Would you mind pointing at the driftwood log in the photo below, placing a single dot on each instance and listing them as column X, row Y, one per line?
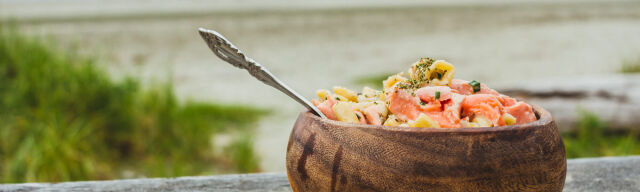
column 613, row 98
column 326, row 155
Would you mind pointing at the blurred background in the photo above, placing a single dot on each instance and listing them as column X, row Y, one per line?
column 111, row 89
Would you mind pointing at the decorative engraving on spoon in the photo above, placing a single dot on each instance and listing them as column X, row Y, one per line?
column 228, row 52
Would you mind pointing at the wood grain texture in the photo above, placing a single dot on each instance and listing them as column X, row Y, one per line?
column 325, row 155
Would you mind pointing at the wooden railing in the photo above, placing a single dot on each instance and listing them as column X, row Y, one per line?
column 586, row 174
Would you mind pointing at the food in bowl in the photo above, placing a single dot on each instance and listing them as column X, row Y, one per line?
column 428, row 97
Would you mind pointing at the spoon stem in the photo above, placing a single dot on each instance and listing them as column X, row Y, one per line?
column 228, row 52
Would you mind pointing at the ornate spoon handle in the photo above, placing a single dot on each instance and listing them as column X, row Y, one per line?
column 224, row 49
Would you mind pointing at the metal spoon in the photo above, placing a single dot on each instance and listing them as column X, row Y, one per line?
column 224, row 49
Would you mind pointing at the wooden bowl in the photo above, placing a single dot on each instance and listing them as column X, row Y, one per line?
column 327, row 155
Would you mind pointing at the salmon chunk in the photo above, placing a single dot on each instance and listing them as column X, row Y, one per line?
column 373, row 115
column 403, row 104
column 463, row 87
column 522, row 112
column 506, row 100
column 326, row 107
column 441, row 105
column 451, row 111
column 486, row 105
column 436, row 102
column 428, row 94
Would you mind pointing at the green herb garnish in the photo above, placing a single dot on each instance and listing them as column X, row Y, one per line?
column 422, row 68
column 422, row 103
column 338, row 98
column 437, row 94
column 358, row 116
column 419, row 73
column 476, row 86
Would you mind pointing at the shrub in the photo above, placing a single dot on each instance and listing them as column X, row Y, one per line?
column 62, row 118
column 593, row 138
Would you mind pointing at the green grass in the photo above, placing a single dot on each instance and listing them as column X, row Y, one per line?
column 631, row 66
column 373, row 81
column 63, row 119
column 593, row 138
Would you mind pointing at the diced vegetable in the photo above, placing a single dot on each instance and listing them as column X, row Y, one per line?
column 475, row 85
column 509, row 119
column 392, row 121
column 424, row 121
column 482, row 121
column 344, row 112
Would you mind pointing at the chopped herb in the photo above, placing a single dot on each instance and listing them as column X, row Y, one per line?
column 404, row 85
column 414, row 83
column 413, row 94
column 427, row 60
column 476, row 86
column 338, row 98
column 422, row 68
column 358, row 116
column 325, row 98
column 375, row 102
column 437, row 94
column 419, row 73
column 422, row 103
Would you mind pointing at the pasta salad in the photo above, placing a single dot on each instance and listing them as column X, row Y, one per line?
column 428, row 96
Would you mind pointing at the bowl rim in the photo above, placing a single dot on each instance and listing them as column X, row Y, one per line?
column 544, row 118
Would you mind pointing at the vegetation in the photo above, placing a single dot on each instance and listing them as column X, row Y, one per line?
column 631, row 66
column 593, row 138
column 62, row 119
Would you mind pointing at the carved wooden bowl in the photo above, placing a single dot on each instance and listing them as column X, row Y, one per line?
column 327, row 155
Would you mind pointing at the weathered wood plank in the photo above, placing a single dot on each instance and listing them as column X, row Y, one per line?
column 265, row 182
column 603, row 174
column 588, row 174
column 613, row 98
